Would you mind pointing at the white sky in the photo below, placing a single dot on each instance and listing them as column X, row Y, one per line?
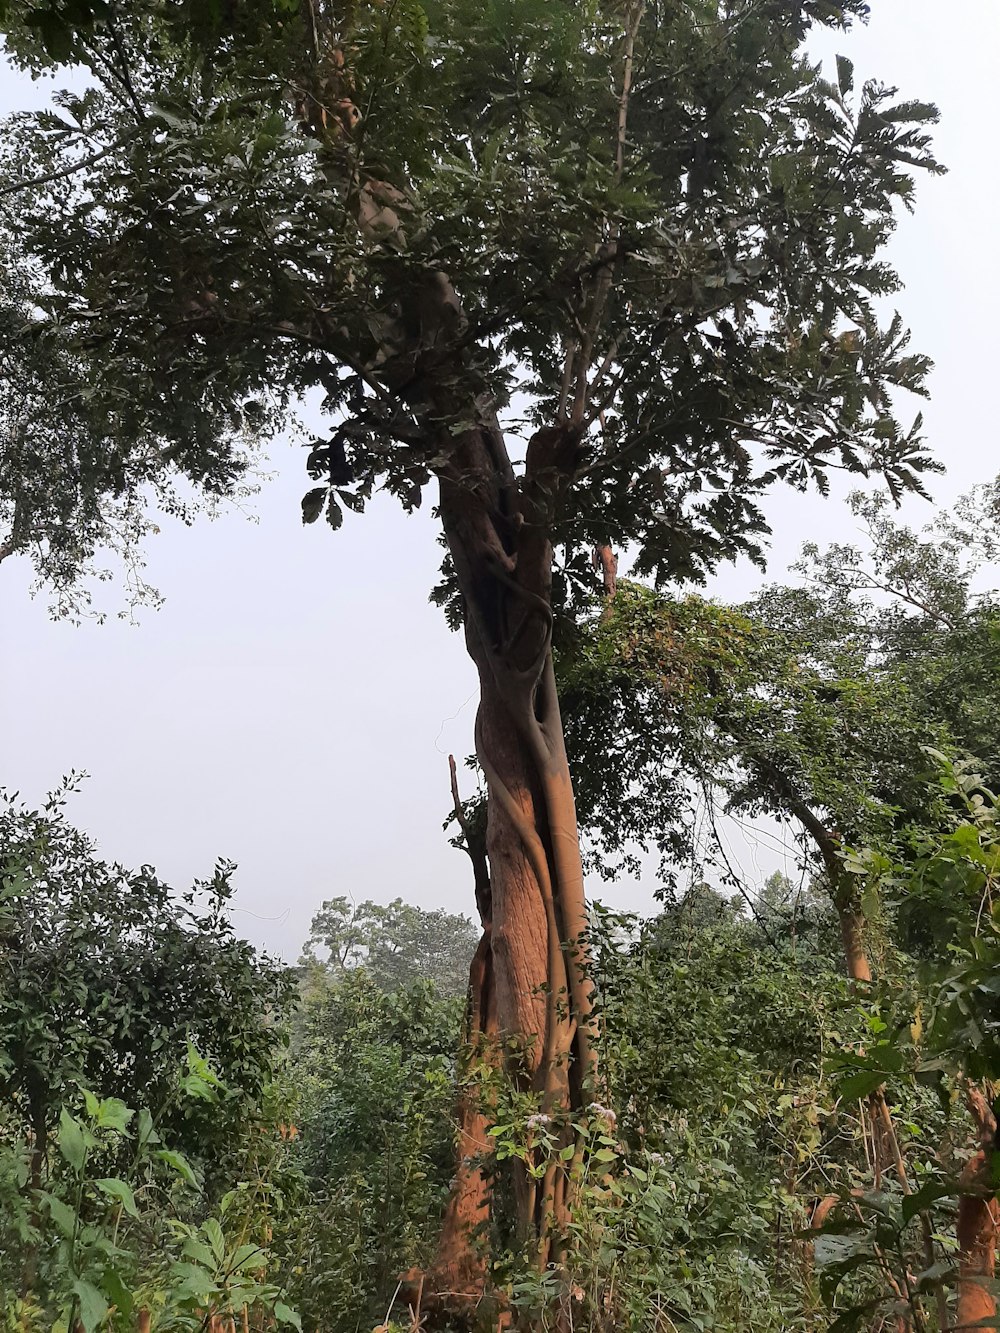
column 293, row 704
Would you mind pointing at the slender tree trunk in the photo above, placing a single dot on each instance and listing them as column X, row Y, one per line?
column 460, row 1270
column 604, row 558
column 852, row 935
column 39, row 1152
column 978, row 1222
column 886, row 1150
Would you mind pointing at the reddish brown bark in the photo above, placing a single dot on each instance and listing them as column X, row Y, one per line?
column 462, row 1262
column 852, row 935
column 497, row 535
column 978, row 1221
column 457, row 1279
column 606, row 560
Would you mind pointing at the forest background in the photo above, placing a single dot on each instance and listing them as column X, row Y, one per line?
column 160, row 715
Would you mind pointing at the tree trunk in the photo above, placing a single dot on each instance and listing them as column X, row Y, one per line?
column 498, row 540
column 457, row 1280
column 604, row 558
column 886, row 1151
column 978, row 1221
column 460, row 1270
column 851, row 933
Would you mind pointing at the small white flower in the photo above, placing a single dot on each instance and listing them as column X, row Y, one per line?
column 604, row 1112
column 538, row 1121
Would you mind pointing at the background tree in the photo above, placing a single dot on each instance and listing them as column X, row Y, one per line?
column 373, row 1077
column 814, row 703
column 139, row 1042
column 398, row 945
column 820, row 705
column 659, row 227
column 109, row 978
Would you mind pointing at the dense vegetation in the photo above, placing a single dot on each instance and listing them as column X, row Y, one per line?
column 657, row 232
column 790, row 1145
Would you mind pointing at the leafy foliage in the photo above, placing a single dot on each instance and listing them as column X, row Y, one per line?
column 252, row 202
column 374, row 1093
column 111, row 981
column 815, row 703
column 138, row 1041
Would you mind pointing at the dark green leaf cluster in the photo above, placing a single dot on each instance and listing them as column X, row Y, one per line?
column 257, row 202
column 373, row 1074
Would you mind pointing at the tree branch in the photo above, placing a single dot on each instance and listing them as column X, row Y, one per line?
column 82, row 165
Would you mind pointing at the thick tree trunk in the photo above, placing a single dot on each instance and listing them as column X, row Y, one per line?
column 503, row 559
column 502, row 556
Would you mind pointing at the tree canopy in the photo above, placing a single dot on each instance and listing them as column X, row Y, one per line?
column 250, row 203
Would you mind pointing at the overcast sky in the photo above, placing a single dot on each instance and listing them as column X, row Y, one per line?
column 293, row 703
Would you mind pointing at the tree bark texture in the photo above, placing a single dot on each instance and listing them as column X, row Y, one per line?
column 457, row 1281
column 458, row 1277
column 978, row 1222
column 497, row 537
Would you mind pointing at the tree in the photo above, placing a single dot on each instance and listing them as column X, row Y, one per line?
column 111, row 980
column 657, row 228
column 70, row 498
column 821, row 705
column 398, row 945
column 372, row 1072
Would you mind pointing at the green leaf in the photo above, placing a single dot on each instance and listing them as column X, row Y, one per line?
column 93, row 1306
column 923, row 1198
column 845, row 75
column 312, row 503
column 285, row 1315
column 859, row 1085
column 145, row 1132
column 199, row 1252
column 213, row 1234
column 179, row 1163
column 72, row 1143
column 114, row 1114
column 246, row 1256
column 117, row 1292
column 118, row 1189
column 62, row 1215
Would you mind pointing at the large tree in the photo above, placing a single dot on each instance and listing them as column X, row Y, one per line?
column 600, row 272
